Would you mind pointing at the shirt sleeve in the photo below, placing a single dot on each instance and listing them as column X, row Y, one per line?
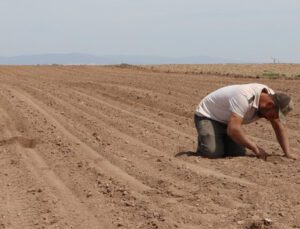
column 239, row 105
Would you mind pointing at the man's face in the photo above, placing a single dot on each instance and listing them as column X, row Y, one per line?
column 268, row 112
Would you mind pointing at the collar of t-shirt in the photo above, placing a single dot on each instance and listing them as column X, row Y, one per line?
column 257, row 96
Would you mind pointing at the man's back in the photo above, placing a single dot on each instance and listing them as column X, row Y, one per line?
column 241, row 99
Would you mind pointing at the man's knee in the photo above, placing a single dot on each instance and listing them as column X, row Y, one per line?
column 210, row 148
column 210, row 138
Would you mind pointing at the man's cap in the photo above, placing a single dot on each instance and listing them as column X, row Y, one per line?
column 284, row 103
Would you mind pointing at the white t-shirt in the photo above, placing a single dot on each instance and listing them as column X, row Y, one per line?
column 240, row 99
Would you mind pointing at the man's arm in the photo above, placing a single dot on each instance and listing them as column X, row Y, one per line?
column 235, row 131
column 282, row 137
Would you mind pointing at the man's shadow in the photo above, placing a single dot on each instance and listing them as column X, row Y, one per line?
column 197, row 154
column 187, row 153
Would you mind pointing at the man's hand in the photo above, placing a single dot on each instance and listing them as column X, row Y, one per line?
column 292, row 156
column 261, row 153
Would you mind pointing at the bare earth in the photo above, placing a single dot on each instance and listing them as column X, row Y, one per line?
column 111, row 147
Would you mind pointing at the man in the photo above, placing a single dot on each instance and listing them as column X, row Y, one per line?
column 220, row 115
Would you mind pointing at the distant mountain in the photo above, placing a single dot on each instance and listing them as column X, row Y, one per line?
column 79, row 58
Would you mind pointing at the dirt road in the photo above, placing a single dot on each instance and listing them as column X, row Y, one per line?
column 111, row 147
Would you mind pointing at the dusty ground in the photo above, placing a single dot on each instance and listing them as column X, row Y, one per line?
column 95, row 147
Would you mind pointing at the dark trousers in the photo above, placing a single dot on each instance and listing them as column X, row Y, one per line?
column 213, row 141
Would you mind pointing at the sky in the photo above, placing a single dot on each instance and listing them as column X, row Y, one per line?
column 241, row 30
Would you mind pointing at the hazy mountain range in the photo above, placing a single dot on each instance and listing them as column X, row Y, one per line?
column 80, row 58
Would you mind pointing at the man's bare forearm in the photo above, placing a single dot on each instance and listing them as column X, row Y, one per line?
column 235, row 131
column 282, row 136
column 237, row 134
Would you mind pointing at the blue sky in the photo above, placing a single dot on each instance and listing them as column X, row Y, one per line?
column 233, row 29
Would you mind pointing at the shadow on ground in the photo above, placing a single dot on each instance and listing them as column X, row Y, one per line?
column 187, row 153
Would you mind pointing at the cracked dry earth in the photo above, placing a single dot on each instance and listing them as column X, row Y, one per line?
column 111, row 147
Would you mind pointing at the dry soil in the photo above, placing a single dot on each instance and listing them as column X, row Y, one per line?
column 113, row 147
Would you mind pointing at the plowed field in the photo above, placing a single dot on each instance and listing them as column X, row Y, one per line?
column 111, row 147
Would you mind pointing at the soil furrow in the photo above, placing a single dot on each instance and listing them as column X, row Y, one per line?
column 103, row 140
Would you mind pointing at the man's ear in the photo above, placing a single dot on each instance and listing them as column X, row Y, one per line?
column 270, row 104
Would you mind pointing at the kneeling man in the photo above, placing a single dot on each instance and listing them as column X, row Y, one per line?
column 220, row 114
